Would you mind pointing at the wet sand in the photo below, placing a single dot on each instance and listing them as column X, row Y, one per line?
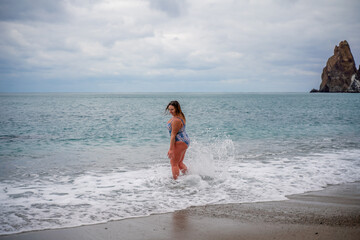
column 332, row 213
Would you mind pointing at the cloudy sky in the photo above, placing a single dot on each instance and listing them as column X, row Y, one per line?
column 171, row 45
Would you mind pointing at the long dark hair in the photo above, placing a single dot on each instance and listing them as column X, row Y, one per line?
column 177, row 107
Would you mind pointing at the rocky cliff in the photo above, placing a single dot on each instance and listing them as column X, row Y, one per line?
column 340, row 73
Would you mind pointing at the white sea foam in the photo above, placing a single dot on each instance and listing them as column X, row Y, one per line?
column 216, row 175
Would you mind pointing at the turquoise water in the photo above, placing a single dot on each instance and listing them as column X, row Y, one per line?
column 73, row 159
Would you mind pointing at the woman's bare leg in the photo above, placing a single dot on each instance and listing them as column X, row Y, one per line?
column 174, row 168
column 179, row 153
column 182, row 166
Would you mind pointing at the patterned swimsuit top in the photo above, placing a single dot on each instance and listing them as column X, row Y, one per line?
column 181, row 135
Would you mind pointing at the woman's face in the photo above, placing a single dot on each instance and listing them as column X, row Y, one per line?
column 172, row 110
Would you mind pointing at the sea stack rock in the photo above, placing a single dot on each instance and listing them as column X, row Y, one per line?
column 340, row 73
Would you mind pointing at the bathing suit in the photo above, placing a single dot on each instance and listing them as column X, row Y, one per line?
column 181, row 135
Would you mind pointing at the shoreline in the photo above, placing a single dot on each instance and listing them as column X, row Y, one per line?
column 331, row 213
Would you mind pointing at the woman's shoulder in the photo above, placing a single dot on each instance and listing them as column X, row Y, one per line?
column 180, row 119
column 176, row 120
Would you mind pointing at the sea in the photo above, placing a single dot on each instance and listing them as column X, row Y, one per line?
column 71, row 159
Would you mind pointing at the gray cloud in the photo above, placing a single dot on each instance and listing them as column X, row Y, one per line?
column 31, row 10
column 137, row 45
column 173, row 8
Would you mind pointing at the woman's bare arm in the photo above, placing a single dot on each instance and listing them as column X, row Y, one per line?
column 175, row 125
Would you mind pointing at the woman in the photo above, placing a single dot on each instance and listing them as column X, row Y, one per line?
column 179, row 140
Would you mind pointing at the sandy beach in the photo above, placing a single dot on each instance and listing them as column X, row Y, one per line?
column 332, row 213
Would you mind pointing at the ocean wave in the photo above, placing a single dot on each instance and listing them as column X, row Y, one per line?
column 217, row 174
